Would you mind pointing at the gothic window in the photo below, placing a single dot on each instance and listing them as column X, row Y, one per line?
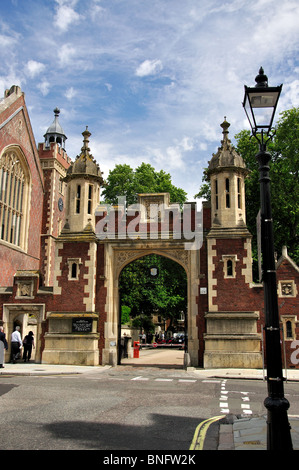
column 239, row 194
column 14, row 187
column 289, row 332
column 78, row 199
column 89, row 202
column 216, row 194
column 289, row 327
column 227, row 195
column 74, row 268
column 229, row 266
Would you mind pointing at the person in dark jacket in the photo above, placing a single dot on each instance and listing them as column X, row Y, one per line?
column 28, row 344
column 3, row 345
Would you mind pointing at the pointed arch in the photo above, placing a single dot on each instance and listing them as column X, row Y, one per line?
column 15, row 184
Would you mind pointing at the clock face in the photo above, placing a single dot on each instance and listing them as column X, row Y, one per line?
column 60, row 204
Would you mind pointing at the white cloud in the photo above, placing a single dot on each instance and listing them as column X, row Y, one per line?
column 173, row 157
column 290, row 95
column 34, row 68
column 7, row 41
column 66, row 54
column 70, row 93
column 44, row 87
column 209, row 50
column 149, row 67
column 66, row 15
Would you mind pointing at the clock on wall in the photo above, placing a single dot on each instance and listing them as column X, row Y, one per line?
column 60, row 204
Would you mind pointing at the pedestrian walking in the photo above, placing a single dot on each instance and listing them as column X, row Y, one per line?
column 28, row 344
column 3, row 346
column 16, row 344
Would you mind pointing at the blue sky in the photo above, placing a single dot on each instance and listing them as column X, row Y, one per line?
column 152, row 79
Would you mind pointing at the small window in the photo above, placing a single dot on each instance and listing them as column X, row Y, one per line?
column 239, row 194
column 78, row 199
column 74, row 270
column 216, row 194
column 227, row 197
column 89, row 203
column 289, row 327
column 229, row 267
column 289, row 330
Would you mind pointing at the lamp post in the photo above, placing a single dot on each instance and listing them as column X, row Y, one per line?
column 260, row 104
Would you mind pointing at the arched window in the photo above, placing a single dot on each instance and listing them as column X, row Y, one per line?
column 239, row 194
column 78, row 199
column 14, row 186
column 289, row 330
column 89, row 202
column 229, row 267
column 74, row 270
column 227, row 192
column 216, row 194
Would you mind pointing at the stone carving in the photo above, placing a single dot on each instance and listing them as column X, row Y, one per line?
column 25, row 289
column 286, row 288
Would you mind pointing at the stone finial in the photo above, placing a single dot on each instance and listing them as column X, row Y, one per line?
column 85, row 149
column 225, row 125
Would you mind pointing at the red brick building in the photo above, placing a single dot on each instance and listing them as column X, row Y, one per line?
column 60, row 260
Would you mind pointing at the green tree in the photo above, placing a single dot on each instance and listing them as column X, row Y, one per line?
column 164, row 294
column 124, row 181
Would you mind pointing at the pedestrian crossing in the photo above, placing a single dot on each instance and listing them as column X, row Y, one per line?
column 224, row 398
column 229, row 401
column 146, row 379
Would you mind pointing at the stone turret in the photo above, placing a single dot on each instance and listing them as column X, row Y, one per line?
column 84, row 179
column 227, row 172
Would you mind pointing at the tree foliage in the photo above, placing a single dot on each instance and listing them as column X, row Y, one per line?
column 145, row 295
column 124, row 181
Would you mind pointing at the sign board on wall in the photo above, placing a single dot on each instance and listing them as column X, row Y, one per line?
column 82, row 325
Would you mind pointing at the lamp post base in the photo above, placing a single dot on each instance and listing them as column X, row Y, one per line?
column 278, row 426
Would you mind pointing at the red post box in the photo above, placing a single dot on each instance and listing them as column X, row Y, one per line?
column 136, row 349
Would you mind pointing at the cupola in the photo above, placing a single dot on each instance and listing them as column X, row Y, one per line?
column 55, row 132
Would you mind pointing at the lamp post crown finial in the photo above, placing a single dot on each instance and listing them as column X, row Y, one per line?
column 261, row 79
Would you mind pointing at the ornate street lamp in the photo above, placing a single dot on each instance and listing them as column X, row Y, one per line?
column 260, row 105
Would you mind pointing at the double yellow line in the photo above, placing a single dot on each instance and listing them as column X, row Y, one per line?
column 201, row 431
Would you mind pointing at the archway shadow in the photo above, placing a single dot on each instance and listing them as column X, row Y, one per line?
column 165, row 432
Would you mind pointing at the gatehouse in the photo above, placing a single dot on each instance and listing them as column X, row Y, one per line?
column 62, row 251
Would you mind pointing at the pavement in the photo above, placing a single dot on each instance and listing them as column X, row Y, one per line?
column 235, row 432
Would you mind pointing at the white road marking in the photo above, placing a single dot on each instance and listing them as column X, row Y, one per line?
column 187, row 380
column 163, row 380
